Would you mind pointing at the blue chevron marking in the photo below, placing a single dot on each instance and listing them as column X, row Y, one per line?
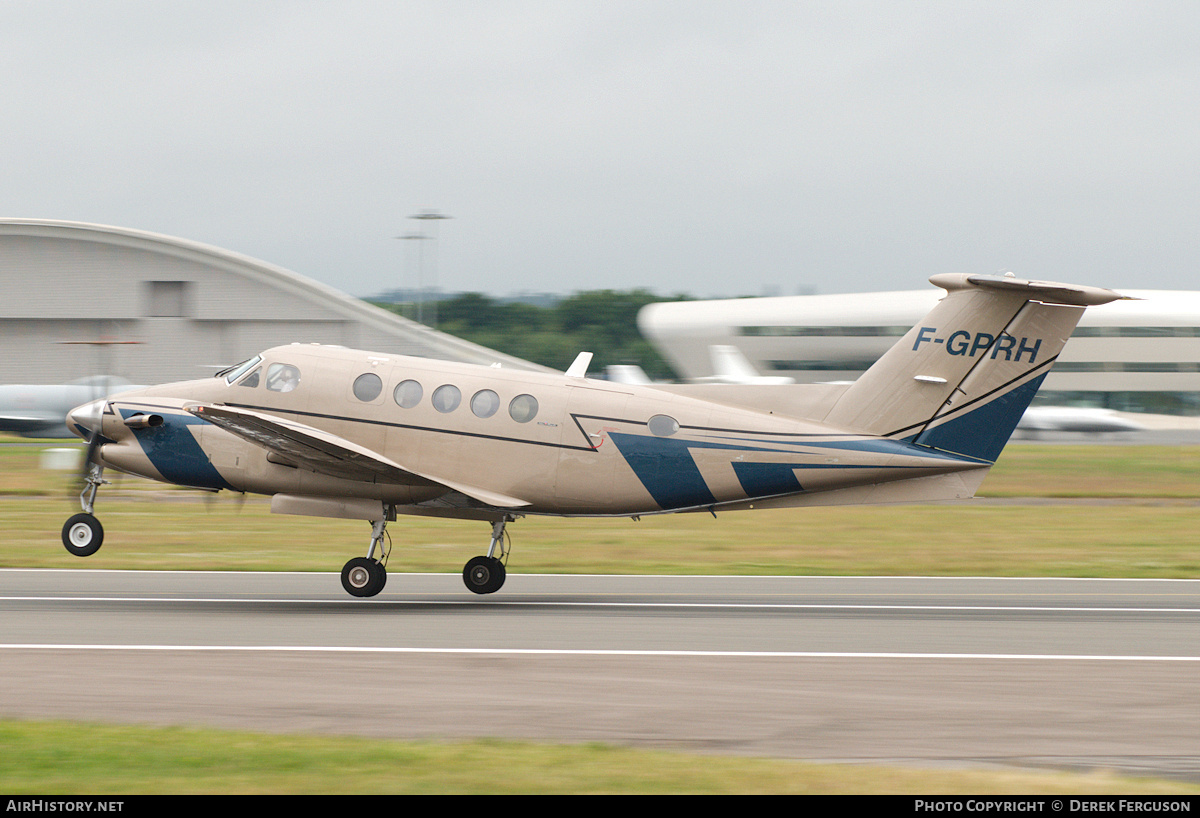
column 766, row 479
column 173, row 450
column 666, row 468
column 982, row 432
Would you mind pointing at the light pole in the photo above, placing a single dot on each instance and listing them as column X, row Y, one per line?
column 420, row 271
column 434, row 217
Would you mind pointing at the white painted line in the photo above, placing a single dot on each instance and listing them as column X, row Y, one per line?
column 765, row 654
column 510, row 602
column 456, row 575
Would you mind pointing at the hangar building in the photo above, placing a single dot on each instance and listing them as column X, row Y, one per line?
column 1141, row 356
column 86, row 299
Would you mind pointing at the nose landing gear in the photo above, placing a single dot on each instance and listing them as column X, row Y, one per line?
column 82, row 534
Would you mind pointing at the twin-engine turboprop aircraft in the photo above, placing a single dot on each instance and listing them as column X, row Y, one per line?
column 335, row 432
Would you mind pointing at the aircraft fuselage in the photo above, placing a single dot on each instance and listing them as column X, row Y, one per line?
column 550, row 441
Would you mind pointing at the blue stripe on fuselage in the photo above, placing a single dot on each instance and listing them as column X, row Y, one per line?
column 767, row 479
column 874, row 445
column 174, row 451
column 666, row 468
column 668, row 471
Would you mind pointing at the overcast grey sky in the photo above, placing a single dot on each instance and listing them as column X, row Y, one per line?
column 714, row 148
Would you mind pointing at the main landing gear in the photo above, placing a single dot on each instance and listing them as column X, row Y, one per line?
column 82, row 534
column 485, row 575
column 366, row 576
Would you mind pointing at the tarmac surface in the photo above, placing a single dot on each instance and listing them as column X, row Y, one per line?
column 1069, row 673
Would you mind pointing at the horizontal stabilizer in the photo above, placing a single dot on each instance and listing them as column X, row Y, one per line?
column 1047, row 292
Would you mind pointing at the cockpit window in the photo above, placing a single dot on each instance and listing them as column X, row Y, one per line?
column 251, row 380
column 232, row 373
column 282, row 377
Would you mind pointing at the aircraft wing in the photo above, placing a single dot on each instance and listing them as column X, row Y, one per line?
column 330, row 454
column 32, row 421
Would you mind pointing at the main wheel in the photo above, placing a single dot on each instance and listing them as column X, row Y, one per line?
column 363, row 577
column 83, row 535
column 484, row 575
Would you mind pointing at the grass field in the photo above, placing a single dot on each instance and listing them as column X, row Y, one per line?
column 1099, row 511
column 65, row 757
column 1144, row 539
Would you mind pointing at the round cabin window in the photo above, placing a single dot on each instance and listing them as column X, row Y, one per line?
column 523, row 408
column 485, row 403
column 367, row 387
column 407, row 394
column 663, row 425
column 446, row 398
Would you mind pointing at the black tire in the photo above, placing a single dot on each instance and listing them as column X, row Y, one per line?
column 82, row 535
column 363, row 577
column 484, row 575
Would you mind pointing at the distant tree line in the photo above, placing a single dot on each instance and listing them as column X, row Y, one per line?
column 603, row 322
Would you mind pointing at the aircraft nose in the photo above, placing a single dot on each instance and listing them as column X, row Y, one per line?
column 88, row 416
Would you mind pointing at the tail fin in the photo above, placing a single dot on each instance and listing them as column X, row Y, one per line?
column 627, row 373
column 731, row 366
column 960, row 380
column 728, row 362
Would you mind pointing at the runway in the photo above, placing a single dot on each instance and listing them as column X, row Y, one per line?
column 931, row 671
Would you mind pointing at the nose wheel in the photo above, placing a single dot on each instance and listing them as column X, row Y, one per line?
column 83, row 535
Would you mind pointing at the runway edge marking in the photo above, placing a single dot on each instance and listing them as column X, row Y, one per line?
column 768, row 654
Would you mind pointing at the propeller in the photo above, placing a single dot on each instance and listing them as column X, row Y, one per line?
column 211, row 494
column 89, row 417
column 93, row 444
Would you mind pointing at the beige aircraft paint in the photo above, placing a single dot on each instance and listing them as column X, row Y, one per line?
column 328, row 431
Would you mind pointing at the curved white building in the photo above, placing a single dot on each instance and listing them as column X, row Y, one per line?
column 86, row 299
column 1139, row 355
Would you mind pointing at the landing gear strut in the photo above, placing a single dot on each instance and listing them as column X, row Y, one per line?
column 366, row 576
column 82, row 534
column 485, row 575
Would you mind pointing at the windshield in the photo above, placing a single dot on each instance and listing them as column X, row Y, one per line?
column 232, row 373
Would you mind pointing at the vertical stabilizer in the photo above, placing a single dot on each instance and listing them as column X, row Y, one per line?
column 731, row 366
column 960, row 380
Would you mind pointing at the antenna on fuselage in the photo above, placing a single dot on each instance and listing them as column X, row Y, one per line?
column 579, row 367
